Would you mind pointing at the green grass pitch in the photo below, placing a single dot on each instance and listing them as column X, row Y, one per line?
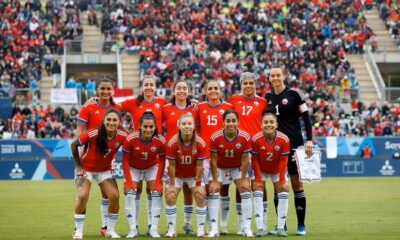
column 337, row 208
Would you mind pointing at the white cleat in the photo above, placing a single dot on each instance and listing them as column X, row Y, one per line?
column 248, row 233
column 200, row 233
column 112, row 234
column 170, row 234
column 213, row 233
column 133, row 233
column 76, row 235
column 154, row 233
column 224, row 230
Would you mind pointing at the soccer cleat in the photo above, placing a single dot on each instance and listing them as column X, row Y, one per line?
column 275, row 232
column 224, row 230
column 112, row 234
column 170, row 234
column 154, row 233
column 133, row 233
column 213, row 233
column 280, row 232
column 200, row 232
column 188, row 229
column 261, row 233
column 301, row 230
column 103, row 231
column 76, row 235
column 248, row 233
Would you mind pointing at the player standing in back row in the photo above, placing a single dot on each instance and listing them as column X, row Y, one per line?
column 289, row 105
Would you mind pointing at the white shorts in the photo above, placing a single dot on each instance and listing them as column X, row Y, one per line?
column 190, row 181
column 146, row 174
column 98, row 176
column 274, row 177
column 228, row 175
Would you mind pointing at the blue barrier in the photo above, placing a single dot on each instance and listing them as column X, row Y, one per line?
column 52, row 159
column 64, row 169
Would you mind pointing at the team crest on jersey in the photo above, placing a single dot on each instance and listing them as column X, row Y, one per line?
column 277, row 148
column 238, row 145
column 153, row 149
column 221, row 111
column 116, row 145
column 285, row 101
column 256, row 103
column 157, row 105
column 172, row 113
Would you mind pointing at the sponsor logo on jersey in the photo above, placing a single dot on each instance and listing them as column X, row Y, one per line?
column 277, row 148
column 221, row 145
column 262, row 148
column 137, row 148
column 97, row 112
column 153, row 149
column 238, row 145
column 17, row 172
column 285, row 101
column 205, row 111
column 387, row 169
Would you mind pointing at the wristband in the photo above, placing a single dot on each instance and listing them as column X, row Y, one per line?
column 198, row 183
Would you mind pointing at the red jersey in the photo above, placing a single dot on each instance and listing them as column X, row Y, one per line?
column 185, row 160
column 91, row 159
column 92, row 114
column 250, row 111
column 171, row 114
column 270, row 157
column 210, row 120
column 229, row 153
column 141, row 155
column 154, row 106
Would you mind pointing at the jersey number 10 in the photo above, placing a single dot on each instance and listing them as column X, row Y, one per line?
column 186, row 160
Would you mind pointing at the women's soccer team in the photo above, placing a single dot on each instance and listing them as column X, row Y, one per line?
column 204, row 148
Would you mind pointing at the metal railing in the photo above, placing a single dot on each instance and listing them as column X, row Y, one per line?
column 376, row 76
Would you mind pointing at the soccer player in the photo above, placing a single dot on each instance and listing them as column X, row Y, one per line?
column 139, row 162
column 90, row 117
column 145, row 102
column 100, row 145
column 230, row 148
column 210, row 120
column 270, row 150
column 179, row 105
column 289, row 105
column 249, row 107
column 185, row 153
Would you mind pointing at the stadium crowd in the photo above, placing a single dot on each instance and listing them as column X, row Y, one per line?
column 209, row 41
column 390, row 13
column 30, row 34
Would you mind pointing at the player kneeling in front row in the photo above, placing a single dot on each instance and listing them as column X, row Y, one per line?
column 269, row 158
column 100, row 145
column 185, row 153
column 139, row 163
column 230, row 148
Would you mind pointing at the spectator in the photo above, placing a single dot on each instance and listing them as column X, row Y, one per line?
column 56, row 73
column 366, row 152
column 396, row 152
column 71, row 83
column 387, row 130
